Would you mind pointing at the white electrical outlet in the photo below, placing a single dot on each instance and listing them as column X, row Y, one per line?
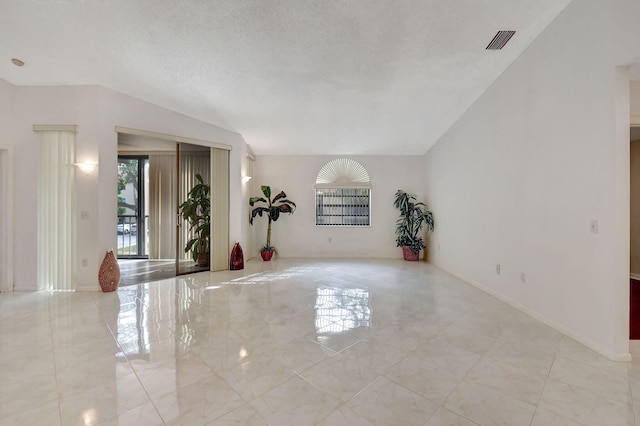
column 329, row 239
column 84, row 215
column 85, row 262
column 593, row 226
column 498, row 269
column 523, row 277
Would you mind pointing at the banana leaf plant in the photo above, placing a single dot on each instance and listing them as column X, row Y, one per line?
column 413, row 216
column 196, row 211
column 272, row 209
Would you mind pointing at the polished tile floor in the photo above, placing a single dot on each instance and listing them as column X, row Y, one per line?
column 140, row 271
column 296, row 342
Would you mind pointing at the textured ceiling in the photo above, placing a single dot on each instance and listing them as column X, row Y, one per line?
column 292, row 76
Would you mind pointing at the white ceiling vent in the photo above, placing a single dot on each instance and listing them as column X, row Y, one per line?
column 501, row 38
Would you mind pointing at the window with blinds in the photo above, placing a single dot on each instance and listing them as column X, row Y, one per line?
column 343, row 207
column 343, row 194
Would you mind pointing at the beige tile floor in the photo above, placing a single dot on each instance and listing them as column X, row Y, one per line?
column 297, row 342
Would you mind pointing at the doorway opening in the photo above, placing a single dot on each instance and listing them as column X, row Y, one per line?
column 155, row 177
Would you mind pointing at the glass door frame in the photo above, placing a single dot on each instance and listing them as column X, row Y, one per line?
column 140, row 216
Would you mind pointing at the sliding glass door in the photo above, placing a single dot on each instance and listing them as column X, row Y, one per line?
column 156, row 176
column 133, row 202
column 193, row 231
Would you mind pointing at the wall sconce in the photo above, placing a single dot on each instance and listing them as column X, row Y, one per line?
column 86, row 166
column 246, row 179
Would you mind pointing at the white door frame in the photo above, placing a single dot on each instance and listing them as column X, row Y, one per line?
column 6, row 219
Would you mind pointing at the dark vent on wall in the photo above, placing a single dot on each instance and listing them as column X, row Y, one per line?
column 500, row 40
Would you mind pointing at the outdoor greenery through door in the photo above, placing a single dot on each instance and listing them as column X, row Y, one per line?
column 133, row 220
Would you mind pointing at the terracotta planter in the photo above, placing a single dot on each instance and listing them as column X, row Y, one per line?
column 410, row 255
column 266, row 255
column 109, row 273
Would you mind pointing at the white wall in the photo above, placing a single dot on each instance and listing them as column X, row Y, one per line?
column 297, row 235
column 6, row 190
column 246, row 237
column 519, row 177
column 635, row 102
column 96, row 111
column 6, row 219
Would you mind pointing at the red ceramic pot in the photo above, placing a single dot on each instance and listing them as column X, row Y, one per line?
column 266, row 255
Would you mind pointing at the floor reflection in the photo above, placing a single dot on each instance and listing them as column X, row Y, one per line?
column 339, row 310
column 271, row 276
column 133, row 333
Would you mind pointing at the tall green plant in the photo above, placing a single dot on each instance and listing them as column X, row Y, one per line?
column 274, row 207
column 413, row 216
column 196, row 211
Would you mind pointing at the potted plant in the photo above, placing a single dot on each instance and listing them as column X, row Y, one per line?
column 196, row 211
column 274, row 207
column 413, row 216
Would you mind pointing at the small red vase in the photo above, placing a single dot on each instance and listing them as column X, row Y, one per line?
column 237, row 258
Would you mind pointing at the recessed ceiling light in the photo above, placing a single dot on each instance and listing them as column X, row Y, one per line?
column 17, row 62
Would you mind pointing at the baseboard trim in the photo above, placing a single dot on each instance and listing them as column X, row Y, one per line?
column 619, row 357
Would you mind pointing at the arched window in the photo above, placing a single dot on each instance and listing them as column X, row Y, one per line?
column 343, row 194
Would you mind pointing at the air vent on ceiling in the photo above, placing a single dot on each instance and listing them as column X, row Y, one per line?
column 501, row 38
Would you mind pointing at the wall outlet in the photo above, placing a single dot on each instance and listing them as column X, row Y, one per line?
column 329, row 239
column 593, row 226
column 84, row 215
column 85, row 262
column 498, row 269
column 523, row 277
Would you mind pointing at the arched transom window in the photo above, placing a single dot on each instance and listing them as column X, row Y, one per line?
column 343, row 194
